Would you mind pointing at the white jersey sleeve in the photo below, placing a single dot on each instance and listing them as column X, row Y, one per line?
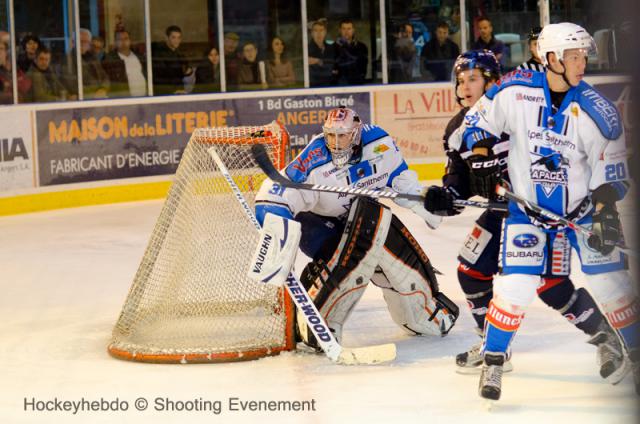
column 487, row 118
column 604, row 142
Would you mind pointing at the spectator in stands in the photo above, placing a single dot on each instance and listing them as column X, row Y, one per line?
column 97, row 48
column 46, row 87
column 403, row 55
column 439, row 54
column 487, row 41
column 352, row 56
column 95, row 81
column 534, row 63
column 169, row 64
column 322, row 56
column 126, row 70
column 454, row 26
column 251, row 74
column 6, row 78
column 29, row 45
column 279, row 67
column 232, row 59
column 208, row 72
column 420, row 33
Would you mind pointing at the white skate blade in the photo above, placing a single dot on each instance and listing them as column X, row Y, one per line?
column 618, row 375
column 507, row 367
column 488, row 404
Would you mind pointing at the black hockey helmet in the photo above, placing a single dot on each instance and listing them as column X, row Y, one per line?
column 534, row 33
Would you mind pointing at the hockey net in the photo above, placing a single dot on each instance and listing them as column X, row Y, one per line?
column 191, row 300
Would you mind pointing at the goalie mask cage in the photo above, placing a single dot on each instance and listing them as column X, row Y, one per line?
column 191, row 300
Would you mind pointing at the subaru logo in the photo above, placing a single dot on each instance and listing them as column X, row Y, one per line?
column 525, row 240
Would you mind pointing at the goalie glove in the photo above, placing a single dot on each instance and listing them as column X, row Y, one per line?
column 439, row 201
column 484, row 175
column 606, row 229
column 407, row 182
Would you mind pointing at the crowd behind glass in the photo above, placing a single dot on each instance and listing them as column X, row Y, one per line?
column 261, row 44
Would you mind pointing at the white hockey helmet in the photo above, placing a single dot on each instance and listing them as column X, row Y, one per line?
column 556, row 38
column 342, row 130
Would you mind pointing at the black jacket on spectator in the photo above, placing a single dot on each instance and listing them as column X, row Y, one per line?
column 94, row 77
column 207, row 80
column 23, row 62
column 168, row 69
column 117, row 72
column 351, row 61
column 438, row 59
column 495, row 45
column 322, row 75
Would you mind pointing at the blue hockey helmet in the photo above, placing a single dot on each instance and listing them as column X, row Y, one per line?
column 484, row 60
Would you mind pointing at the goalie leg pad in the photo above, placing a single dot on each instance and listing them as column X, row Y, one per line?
column 337, row 284
column 410, row 287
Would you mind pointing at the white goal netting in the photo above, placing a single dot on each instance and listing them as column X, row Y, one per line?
column 191, row 300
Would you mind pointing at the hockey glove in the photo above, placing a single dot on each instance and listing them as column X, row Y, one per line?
column 484, row 175
column 439, row 201
column 606, row 229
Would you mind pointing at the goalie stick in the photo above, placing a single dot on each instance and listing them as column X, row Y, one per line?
column 262, row 158
column 315, row 321
column 502, row 191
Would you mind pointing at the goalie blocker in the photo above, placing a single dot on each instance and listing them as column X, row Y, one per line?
column 375, row 246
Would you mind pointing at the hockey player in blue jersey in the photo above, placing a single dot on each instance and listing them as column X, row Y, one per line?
column 567, row 154
column 475, row 72
column 353, row 241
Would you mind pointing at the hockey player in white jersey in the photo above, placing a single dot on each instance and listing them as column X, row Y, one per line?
column 352, row 241
column 567, row 154
column 475, row 72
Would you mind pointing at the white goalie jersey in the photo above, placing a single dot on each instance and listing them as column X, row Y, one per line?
column 381, row 162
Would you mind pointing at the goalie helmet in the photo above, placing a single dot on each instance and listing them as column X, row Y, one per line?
column 484, row 60
column 342, row 130
column 556, row 38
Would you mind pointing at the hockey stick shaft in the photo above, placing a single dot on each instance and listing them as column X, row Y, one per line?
column 327, row 341
column 502, row 191
column 262, row 158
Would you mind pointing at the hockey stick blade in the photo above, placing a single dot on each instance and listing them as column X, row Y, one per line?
column 262, row 158
column 327, row 341
column 502, row 191
column 368, row 355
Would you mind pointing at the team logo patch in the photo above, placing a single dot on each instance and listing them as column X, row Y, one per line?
column 472, row 120
column 380, row 149
column 525, row 241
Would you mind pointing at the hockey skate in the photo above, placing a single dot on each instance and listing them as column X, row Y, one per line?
column 470, row 362
column 610, row 355
column 491, row 378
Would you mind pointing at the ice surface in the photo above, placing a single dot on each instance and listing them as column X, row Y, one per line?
column 65, row 274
